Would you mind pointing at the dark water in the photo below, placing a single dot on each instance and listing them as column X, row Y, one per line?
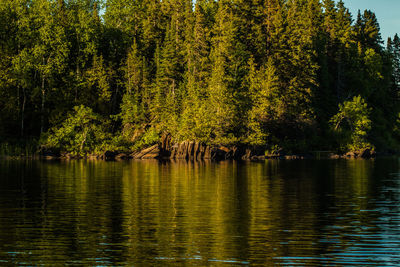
column 218, row 214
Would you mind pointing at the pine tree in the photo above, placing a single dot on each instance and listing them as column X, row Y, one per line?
column 267, row 105
column 168, row 82
column 332, row 53
column 229, row 60
column 134, row 106
column 263, row 72
column 195, row 116
column 299, row 75
column 153, row 27
column 126, row 16
column 367, row 30
column 98, row 91
column 395, row 50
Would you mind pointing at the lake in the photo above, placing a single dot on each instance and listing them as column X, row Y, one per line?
column 306, row 212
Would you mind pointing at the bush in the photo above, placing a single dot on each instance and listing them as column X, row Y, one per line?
column 150, row 137
column 352, row 123
column 83, row 132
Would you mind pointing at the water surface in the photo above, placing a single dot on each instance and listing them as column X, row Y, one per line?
column 328, row 212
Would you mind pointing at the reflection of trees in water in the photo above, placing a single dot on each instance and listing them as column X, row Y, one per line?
column 282, row 211
column 306, row 209
column 183, row 210
column 74, row 208
column 193, row 212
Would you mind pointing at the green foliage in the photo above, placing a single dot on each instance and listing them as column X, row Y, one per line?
column 273, row 150
column 267, row 106
column 82, row 133
column 256, row 72
column 354, row 122
column 150, row 137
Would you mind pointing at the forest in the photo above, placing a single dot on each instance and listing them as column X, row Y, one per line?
column 86, row 76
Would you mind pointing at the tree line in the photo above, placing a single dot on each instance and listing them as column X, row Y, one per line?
column 87, row 75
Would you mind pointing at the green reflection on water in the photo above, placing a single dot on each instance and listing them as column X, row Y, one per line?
column 195, row 213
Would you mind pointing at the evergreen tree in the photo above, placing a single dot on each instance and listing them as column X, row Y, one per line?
column 169, row 76
column 229, row 58
column 195, row 116
column 394, row 47
column 267, row 104
column 298, row 76
column 125, row 16
column 367, row 30
column 134, row 106
column 260, row 72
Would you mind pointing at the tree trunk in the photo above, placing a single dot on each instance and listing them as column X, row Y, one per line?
column 83, row 141
column 23, row 111
column 339, row 83
column 129, row 77
column 77, row 76
column 42, row 108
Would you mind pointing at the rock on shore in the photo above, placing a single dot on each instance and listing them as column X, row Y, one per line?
column 191, row 150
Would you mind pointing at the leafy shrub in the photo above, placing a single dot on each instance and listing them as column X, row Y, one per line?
column 81, row 133
column 352, row 122
column 273, row 150
column 150, row 137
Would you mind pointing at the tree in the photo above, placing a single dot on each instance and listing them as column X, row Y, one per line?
column 229, row 60
column 194, row 119
column 260, row 72
column 297, row 60
column 82, row 133
column 267, row 105
column 354, row 122
column 50, row 51
column 394, row 49
column 168, row 83
column 97, row 91
column 367, row 30
column 126, row 16
column 136, row 100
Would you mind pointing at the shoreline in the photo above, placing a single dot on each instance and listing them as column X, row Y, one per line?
column 128, row 157
column 166, row 149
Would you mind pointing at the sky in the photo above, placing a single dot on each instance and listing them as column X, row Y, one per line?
column 387, row 12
